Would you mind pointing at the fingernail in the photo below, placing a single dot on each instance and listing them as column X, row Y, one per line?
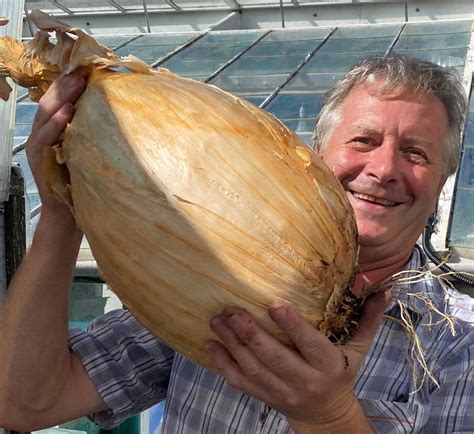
column 233, row 319
column 216, row 321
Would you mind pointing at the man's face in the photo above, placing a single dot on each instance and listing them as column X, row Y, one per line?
column 388, row 154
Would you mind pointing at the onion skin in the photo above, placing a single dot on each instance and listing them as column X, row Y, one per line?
column 193, row 200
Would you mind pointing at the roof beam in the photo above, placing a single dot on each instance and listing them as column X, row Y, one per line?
column 60, row 6
column 173, row 5
column 295, row 2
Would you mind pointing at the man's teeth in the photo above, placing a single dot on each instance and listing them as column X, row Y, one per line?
column 373, row 199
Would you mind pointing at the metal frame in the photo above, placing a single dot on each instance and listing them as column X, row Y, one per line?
column 60, row 6
column 117, row 6
column 179, row 49
column 172, row 4
column 233, row 4
column 308, row 57
column 236, row 57
column 395, row 39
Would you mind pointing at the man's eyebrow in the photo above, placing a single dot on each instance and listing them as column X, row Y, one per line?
column 364, row 129
column 414, row 139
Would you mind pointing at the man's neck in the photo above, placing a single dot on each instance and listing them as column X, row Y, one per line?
column 373, row 270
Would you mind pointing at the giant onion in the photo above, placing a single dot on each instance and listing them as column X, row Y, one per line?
column 192, row 199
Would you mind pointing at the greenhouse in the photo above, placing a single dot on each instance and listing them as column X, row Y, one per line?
column 282, row 56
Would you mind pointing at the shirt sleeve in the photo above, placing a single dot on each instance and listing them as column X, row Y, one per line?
column 129, row 367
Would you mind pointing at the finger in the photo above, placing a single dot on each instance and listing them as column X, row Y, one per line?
column 54, row 127
column 313, row 345
column 372, row 315
column 286, row 363
column 50, row 132
column 226, row 366
column 48, row 135
column 65, row 89
column 243, row 354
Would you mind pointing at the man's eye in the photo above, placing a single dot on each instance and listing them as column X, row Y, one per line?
column 416, row 155
column 362, row 141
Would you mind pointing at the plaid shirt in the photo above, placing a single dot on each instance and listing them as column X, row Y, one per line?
column 132, row 371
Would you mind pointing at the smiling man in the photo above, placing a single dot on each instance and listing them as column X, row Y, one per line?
column 388, row 151
column 390, row 131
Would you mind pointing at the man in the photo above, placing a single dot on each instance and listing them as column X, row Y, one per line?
column 390, row 132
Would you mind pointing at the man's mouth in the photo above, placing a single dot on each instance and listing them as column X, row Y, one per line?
column 373, row 199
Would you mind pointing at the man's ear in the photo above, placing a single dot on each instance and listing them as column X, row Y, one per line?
column 442, row 182
column 317, row 149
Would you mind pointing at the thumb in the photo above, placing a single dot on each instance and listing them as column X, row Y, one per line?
column 372, row 315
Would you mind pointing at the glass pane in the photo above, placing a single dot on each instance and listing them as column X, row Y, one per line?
column 45, row 6
column 207, row 51
column 296, row 106
column 25, row 112
column 450, row 57
column 199, row 4
column 298, row 35
column 191, row 67
column 304, row 125
column 365, row 32
column 267, row 2
column 421, row 42
column 112, row 41
column 244, row 84
column 428, row 28
column 469, row 133
column 87, row 5
column 283, row 48
column 462, row 226
column 162, row 39
column 230, row 38
column 266, row 65
column 147, row 54
column 466, row 172
column 307, row 138
column 358, row 45
column 254, row 99
column 22, row 130
column 20, row 91
column 138, row 4
column 333, row 62
column 313, row 81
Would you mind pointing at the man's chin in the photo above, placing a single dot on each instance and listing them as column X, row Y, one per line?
column 371, row 240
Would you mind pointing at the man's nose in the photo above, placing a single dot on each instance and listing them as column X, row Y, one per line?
column 384, row 164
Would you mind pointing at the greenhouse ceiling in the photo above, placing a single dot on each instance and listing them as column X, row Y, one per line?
column 72, row 7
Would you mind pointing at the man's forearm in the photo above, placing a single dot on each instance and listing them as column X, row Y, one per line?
column 33, row 321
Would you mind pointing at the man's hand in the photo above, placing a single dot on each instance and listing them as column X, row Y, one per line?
column 312, row 384
column 55, row 111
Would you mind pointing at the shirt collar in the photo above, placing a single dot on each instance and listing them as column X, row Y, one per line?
column 416, row 295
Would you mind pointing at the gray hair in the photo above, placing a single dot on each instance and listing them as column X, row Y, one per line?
column 396, row 72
